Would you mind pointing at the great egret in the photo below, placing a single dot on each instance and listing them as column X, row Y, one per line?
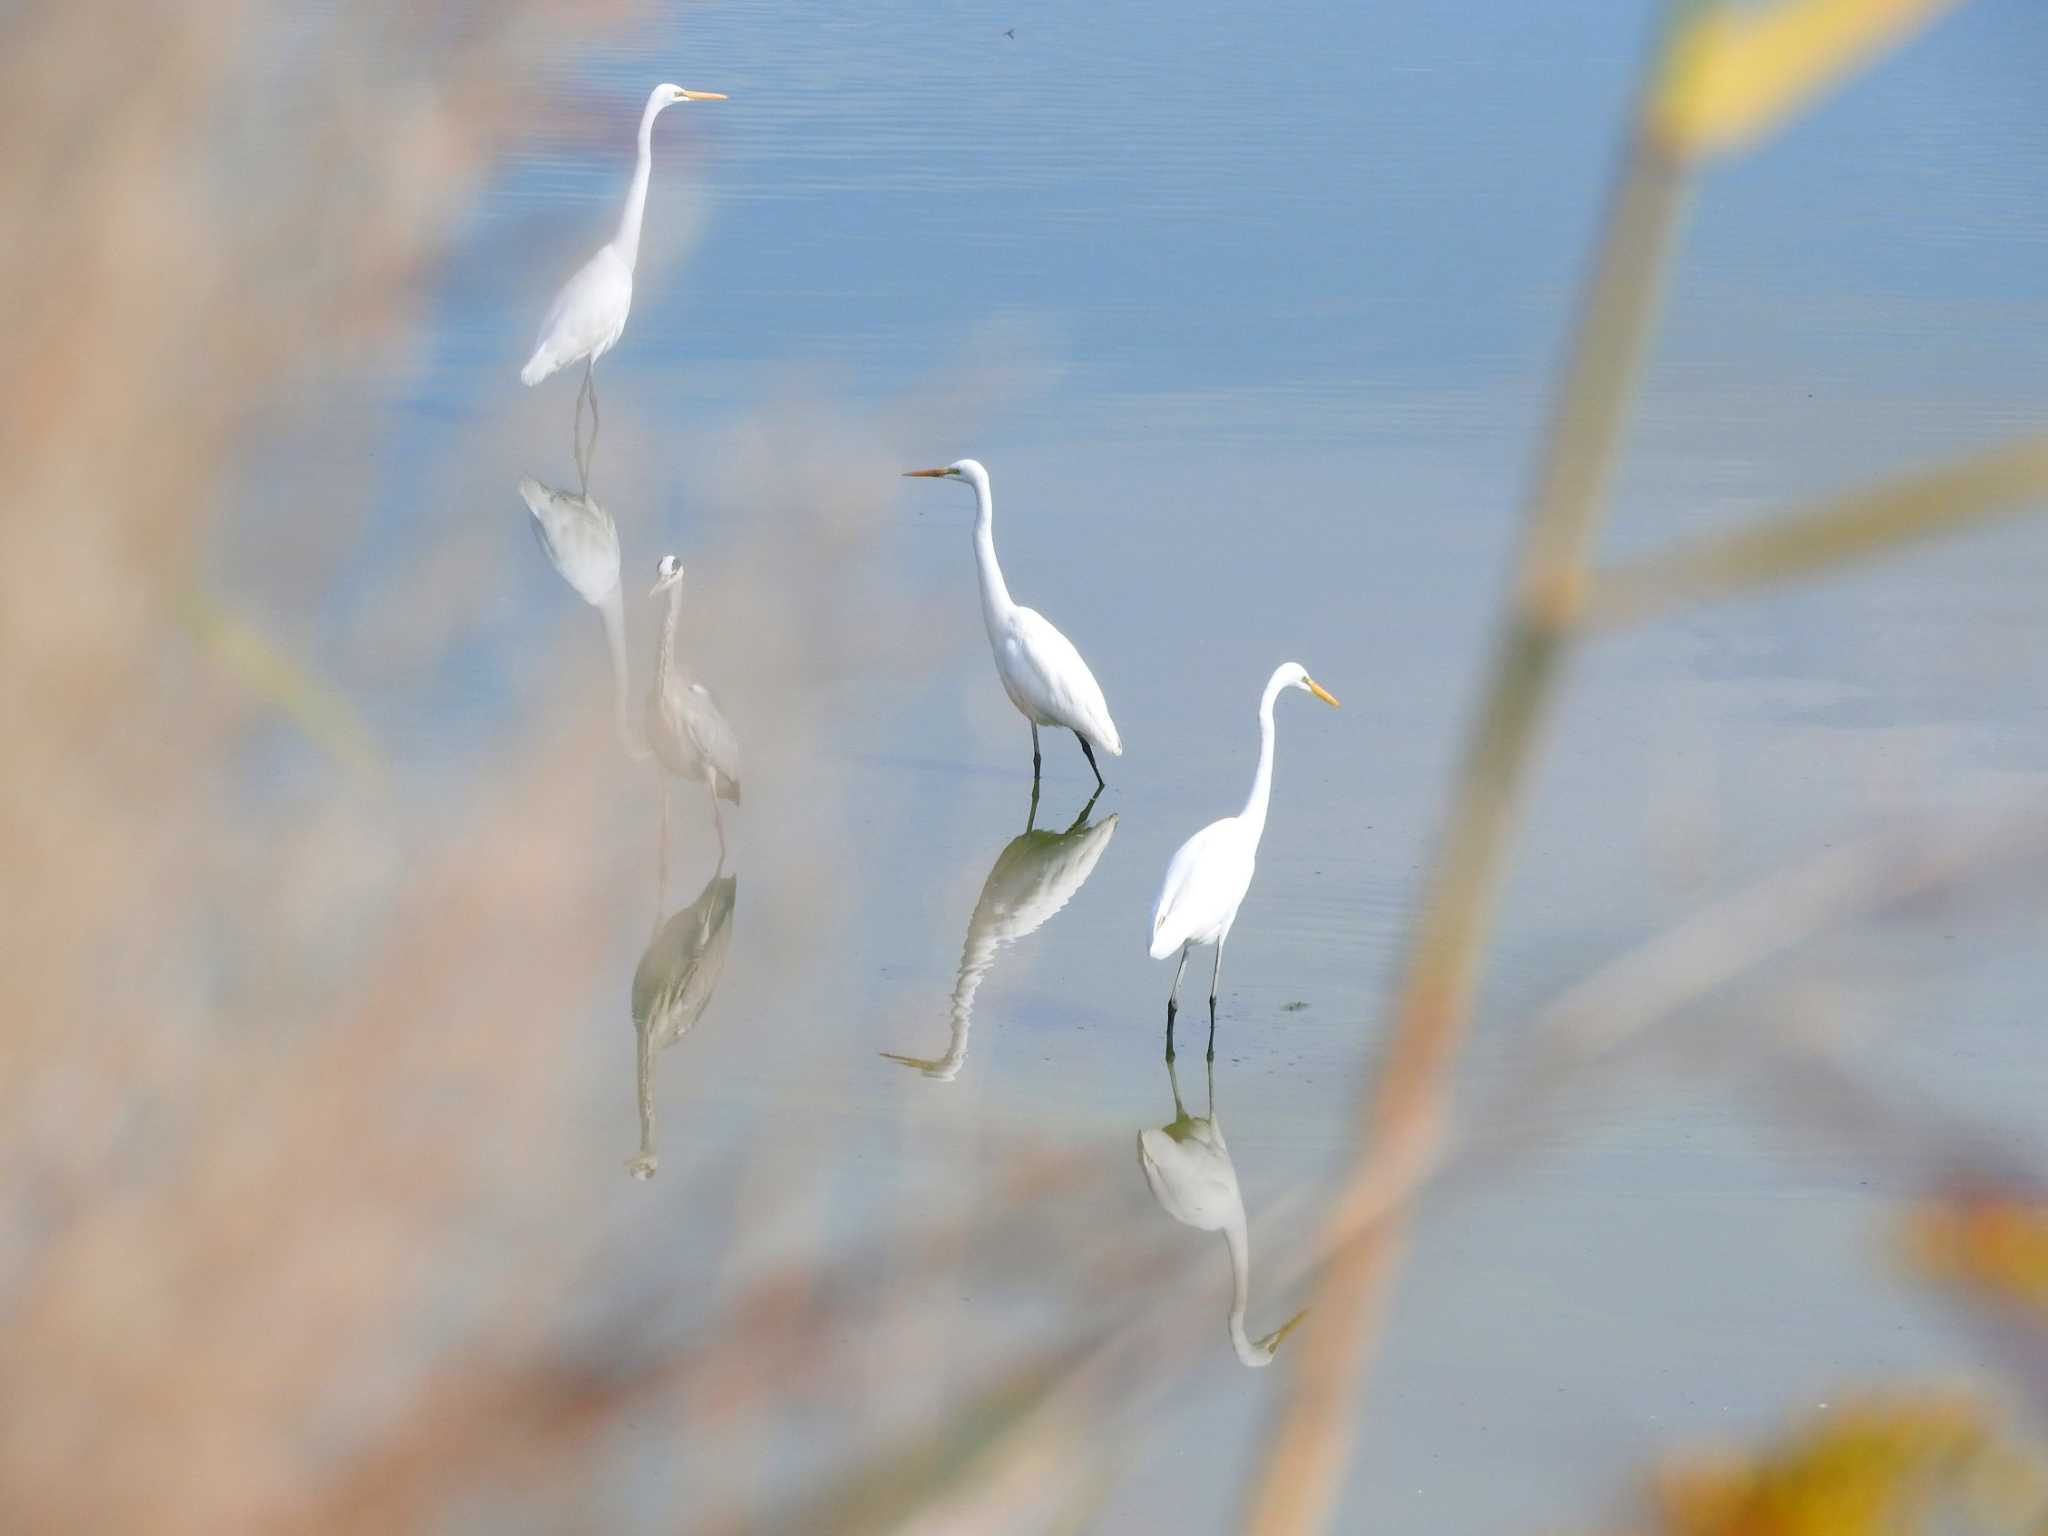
column 1208, row 877
column 1189, row 1169
column 672, row 986
column 1035, row 875
column 1042, row 673
column 684, row 726
column 590, row 310
column 582, row 543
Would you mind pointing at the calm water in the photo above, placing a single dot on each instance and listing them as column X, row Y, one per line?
column 1250, row 312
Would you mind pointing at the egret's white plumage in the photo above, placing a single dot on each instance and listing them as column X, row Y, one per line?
column 582, row 543
column 1187, row 1165
column 1041, row 671
column 685, row 727
column 589, row 312
column 1207, row 879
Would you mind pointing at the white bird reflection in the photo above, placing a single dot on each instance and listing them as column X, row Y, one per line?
column 582, row 543
column 1189, row 1168
column 1035, row 875
column 672, row 986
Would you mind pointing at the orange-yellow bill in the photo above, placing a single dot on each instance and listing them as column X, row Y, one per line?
column 690, row 95
column 925, row 474
column 1330, row 699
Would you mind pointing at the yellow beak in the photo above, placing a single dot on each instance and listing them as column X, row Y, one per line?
column 926, row 474
column 705, row 96
column 1330, row 699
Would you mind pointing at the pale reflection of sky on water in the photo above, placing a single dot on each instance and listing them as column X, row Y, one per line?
column 1250, row 311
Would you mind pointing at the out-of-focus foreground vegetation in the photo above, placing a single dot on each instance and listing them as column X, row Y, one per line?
column 236, row 1193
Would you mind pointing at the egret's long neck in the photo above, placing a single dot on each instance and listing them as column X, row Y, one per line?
column 995, row 595
column 1254, row 813
column 1239, row 1241
column 627, row 241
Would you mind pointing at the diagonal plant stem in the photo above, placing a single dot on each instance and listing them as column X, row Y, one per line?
column 1851, row 525
column 1400, row 1117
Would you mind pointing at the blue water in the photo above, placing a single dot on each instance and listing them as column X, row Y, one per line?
column 1251, row 311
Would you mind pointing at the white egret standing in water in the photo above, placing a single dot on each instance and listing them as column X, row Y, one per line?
column 1208, row 877
column 582, row 543
column 684, row 726
column 1042, row 673
column 1035, row 875
column 590, row 311
column 1189, row 1169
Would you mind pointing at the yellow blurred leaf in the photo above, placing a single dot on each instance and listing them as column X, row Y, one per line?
column 1872, row 1467
column 1733, row 72
column 1995, row 1247
column 259, row 666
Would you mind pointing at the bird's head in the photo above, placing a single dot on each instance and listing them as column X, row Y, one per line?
column 969, row 470
column 1295, row 675
column 666, row 95
column 666, row 575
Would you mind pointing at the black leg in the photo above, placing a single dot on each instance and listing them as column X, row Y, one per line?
column 1215, row 977
column 1081, row 820
column 1089, row 753
column 582, row 394
column 1036, row 761
column 590, row 459
column 1173, row 1000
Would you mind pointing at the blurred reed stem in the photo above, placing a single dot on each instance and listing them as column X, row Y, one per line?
column 1720, row 76
column 1400, row 1116
column 1850, row 525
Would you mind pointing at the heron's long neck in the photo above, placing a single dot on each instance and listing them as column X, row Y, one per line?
column 627, row 241
column 1254, row 813
column 664, row 657
column 995, row 595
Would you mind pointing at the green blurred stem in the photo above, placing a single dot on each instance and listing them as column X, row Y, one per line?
column 266, row 672
column 1400, row 1112
column 1853, row 525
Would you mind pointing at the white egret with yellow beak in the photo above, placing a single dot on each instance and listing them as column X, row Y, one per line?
column 1208, row 878
column 1041, row 671
column 590, row 310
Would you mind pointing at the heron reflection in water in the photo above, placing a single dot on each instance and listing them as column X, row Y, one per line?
column 673, row 984
column 1035, row 875
column 582, row 543
column 1189, row 1168
column 686, row 728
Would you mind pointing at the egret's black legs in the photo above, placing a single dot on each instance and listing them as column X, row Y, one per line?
column 1215, row 977
column 1036, row 761
column 1089, row 753
column 1173, row 1000
column 1081, row 820
column 1031, row 820
column 718, row 821
column 590, row 458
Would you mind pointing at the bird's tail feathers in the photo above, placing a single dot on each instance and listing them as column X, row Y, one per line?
column 538, row 367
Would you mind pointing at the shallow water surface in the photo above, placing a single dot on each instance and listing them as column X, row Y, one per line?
column 1250, row 312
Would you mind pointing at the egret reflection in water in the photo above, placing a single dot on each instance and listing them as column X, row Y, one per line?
column 672, row 987
column 582, row 543
column 1035, row 875
column 1188, row 1166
